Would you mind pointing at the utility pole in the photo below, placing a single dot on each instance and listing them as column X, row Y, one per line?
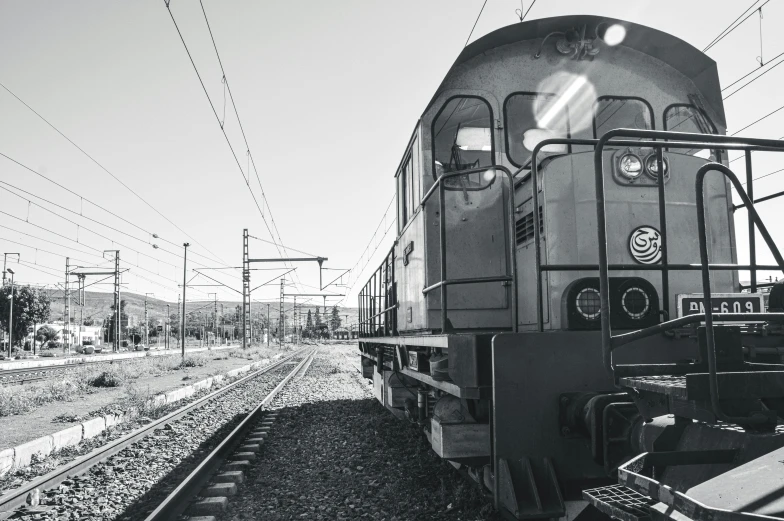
column 81, row 307
column 245, row 291
column 67, row 309
column 146, row 322
column 294, row 322
column 215, row 317
column 5, row 259
column 167, row 328
column 11, row 315
column 269, row 330
column 179, row 315
column 184, row 284
column 281, row 321
column 223, row 326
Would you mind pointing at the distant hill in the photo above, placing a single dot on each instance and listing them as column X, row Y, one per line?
column 98, row 307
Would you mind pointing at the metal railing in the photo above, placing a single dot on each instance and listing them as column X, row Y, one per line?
column 665, row 267
column 444, row 283
column 378, row 300
column 688, row 141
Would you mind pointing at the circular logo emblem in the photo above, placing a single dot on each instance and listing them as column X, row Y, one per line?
column 645, row 245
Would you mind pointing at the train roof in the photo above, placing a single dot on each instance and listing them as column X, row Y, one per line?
column 671, row 50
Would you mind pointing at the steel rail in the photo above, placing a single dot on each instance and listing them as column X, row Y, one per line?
column 16, row 498
column 6, row 375
column 178, row 501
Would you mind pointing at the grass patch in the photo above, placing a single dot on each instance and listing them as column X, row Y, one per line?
column 89, row 378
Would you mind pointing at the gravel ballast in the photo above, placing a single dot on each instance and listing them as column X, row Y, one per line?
column 336, row 453
column 134, row 481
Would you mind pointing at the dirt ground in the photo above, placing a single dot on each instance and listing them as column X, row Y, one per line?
column 20, row 428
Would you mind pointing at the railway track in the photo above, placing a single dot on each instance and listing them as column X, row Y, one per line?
column 137, row 473
column 33, row 374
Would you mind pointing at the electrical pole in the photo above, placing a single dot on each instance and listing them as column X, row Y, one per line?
column 179, row 314
column 281, row 320
column 245, row 290
column 67, row 309
column 167, row 328
column 223, row 326
column 184, row 284
column 11, row 315
column 269, row 331
column 81, row 307
column 146, row 322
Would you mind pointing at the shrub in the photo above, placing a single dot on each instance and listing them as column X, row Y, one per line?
column 106, row 379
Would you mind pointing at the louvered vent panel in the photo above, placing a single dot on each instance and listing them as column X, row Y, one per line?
column 524, row 227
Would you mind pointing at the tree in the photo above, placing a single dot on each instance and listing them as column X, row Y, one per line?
column 88, row 322
column 123, row 320
column 318, row 321
column 46, row 334
column 334, row 320
column 31, row 307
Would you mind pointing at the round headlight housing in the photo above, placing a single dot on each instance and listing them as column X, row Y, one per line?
column 588, row 303
column 630, row 166
column 635, row 302
column 652, row 167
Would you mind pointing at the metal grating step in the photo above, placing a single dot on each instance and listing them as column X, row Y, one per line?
column 620, row 502
column 674, row 386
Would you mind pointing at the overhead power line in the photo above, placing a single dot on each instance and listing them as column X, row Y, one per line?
column 81, row 197
column 475, row 22
column 91, row 158
column 765, row 71
column 757, row 121
column 245, row 177
column 731, row 27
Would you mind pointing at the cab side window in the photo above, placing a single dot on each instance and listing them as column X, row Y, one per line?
column 409, row 179
column 462, row 136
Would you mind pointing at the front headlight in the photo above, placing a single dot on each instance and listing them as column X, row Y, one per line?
column 652, row 166
column 630, row 166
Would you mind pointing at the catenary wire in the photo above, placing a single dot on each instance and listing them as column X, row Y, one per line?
column 730, row 28
column 242, row 130
column 81, row 197
column 91, row 158
column 226, row 137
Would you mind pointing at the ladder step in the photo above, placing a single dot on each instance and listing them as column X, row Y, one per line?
column 620, row 502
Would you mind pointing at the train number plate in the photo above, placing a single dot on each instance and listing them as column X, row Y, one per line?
column 692, row 304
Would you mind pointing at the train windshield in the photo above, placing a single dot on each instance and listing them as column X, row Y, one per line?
column 688, row 118
column 615, row 112
column 463, row 139
column 531, row 117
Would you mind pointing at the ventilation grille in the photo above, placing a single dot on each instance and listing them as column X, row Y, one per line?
column 524, row 227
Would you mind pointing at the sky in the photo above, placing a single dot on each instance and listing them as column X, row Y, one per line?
column 327, row 93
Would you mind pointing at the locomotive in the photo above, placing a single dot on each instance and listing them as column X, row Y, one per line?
column 562, row 313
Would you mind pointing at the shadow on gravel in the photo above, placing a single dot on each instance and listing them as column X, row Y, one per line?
column 351, row 459
column 145, row 504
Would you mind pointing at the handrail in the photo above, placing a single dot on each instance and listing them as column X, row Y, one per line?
column 647, row 139
column 755, row 418
column 765, row 145
column 511, row 260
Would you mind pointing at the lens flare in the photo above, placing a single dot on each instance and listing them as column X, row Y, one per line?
column 574, row 95
column 614, row 35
